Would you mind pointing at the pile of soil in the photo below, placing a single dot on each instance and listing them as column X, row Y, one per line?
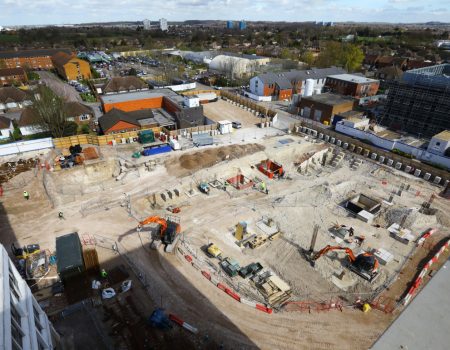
column 192, row 162
column 10, row 169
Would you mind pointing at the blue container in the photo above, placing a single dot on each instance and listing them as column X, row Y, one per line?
column 156, row 150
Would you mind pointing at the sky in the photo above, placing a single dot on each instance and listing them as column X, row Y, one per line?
column 27, row 12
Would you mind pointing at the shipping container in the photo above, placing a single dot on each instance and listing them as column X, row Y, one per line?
column 69, row 256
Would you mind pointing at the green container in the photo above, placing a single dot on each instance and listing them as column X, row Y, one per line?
column 146, row 136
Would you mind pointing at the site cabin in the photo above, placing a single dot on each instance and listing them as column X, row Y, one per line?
column 69, row 256
column 270, row 168
column 225, row 127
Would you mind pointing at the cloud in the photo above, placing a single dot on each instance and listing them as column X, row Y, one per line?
column 16, row 12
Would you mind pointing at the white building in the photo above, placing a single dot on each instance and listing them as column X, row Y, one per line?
column 147, row 24
column 163, row 24
column 6, row 127
column 440, row 143
column 23, row 323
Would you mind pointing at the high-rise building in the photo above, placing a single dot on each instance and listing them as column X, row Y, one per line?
column 420, row 102
column 163, row 24
column 242, row 25
column 24, row 325
column 147, row 24
column 230, row 24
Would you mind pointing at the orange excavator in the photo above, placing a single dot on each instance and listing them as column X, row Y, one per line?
column 169, row 229
column 365, row 264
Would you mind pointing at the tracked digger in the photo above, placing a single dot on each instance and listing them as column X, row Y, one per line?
column 365, row 264
column 169, row 229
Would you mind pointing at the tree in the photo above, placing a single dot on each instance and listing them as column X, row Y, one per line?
column 49, row 111
column 132, row 71
column 308, row 58
column 345, row 55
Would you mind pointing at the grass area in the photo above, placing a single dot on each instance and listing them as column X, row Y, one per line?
column 86, row 97
column 9, row 38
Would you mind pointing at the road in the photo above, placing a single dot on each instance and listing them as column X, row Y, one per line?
column 59, row 87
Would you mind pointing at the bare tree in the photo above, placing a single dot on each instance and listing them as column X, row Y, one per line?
column 50, row 111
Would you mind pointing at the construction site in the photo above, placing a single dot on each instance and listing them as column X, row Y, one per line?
column 264, row 239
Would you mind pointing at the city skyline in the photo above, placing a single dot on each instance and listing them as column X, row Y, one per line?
column 41, row 12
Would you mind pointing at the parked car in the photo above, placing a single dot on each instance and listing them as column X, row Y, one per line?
column 236, row 125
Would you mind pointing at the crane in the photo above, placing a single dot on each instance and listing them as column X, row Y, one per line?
column 365, row 264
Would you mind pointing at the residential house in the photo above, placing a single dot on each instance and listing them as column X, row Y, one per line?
column 12, row 99
column 389, row 73
column 31, row 59
column 78, row 113
column 388, row 61
column 116, row 121
column 10, row 76
column 124, row 84
column 283, row 85
column 6, row 127
column 324, row 107
column 28, row 124
column 71, row 67
column 352, row 85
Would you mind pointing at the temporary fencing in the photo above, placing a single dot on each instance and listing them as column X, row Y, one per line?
column 418, row 281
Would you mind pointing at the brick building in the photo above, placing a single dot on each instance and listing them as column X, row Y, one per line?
column 352, row 85
column 32, row 59
column 163, row 100
column 71, row 67
column 324, row 107
column 10, row 76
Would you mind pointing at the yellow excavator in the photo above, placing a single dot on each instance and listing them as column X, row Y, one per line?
column 365, row 264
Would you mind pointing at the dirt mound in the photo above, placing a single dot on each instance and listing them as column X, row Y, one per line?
column 10, row 169
column 192, row 162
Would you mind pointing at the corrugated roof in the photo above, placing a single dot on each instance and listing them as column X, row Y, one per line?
column 329, row 99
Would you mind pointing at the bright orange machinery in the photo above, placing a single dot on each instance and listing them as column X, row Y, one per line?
column 365, row 264
column 169, row 228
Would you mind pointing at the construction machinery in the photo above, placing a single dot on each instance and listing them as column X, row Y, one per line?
column 214, row 251
column 204, row 187
column 169, row 229
column 365, row 264
column 25, row 251
column 230, row 266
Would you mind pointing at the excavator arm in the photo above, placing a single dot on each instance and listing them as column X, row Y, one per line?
column 155, row 219
column 329, row 248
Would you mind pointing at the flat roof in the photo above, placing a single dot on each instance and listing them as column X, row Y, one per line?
column 359, row 79
column 137, row 95
column 329, row 99
column 443, row 135
column 424, row 324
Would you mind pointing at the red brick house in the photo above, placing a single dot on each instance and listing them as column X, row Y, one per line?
column 10, row 76
column 352, row 85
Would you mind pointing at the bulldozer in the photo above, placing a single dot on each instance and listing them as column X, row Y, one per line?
column 365, row 264
column 169, row 230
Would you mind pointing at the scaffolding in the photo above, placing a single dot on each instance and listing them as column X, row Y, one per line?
column 419, row 104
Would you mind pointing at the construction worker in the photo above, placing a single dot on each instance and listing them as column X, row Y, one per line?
column 61, row 215
column 103, row 273
column 26, row 195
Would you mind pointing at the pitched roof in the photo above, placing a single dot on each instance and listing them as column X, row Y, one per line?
column 5, row 123
column 32, row 53
column 285, row 79
column 138, row 118
column 127, row 83
column 390, row 72
column 11, row 94
column 75, row 109
column 61, row 58
column 6, row 72
column 28, row 117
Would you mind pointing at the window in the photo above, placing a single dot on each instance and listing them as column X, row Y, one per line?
column 84, row 117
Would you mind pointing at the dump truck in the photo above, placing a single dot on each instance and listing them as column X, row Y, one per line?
column 230, row 266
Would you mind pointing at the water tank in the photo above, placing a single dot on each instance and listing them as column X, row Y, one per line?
column 309, row 87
